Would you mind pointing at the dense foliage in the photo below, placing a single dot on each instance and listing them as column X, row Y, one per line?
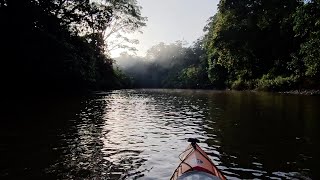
column 268, row 45
column 248, row 44
column 60, row 44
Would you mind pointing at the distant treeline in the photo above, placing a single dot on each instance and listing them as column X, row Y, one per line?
column 248, row 44
column 167, row 66
column 59, row 45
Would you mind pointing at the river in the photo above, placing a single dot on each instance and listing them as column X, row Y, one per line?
column 138, row 134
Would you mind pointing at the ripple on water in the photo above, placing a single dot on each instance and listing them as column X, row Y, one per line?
column 156, row 126
column 138, row 134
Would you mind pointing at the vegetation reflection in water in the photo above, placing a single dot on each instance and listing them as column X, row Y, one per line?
column 130, row 134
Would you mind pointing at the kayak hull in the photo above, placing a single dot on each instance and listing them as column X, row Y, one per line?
column 195, row 161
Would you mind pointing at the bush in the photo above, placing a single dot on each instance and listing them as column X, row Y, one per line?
column 241, row 84
column 279, row 83
column 238, row 84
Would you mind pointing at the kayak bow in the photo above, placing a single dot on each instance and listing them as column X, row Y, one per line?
column 195, row 164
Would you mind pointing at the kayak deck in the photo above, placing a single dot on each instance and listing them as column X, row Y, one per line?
column 196, row 164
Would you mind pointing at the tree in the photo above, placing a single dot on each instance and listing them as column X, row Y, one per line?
column 169, row 66
column 251, row 38
column 59, row 44
column 307, row 30
column 126, row 19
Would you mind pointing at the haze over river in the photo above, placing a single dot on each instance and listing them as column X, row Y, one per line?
column 138, row 134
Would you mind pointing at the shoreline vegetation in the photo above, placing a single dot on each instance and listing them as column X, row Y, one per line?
column 247, row 45
column 64, row 46
column 302, row 92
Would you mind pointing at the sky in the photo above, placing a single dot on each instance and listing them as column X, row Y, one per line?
column 171, row 20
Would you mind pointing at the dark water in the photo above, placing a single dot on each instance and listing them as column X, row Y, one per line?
column 138, row 134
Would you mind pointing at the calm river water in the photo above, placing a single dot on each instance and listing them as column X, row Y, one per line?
column 138, row 134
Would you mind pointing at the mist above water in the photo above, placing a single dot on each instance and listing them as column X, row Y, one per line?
column 162, row 54
column 164, row 65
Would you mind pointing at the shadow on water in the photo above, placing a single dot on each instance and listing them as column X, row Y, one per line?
column 55, row 138
column 132, row 134
column 29, row 132
column 264, row 135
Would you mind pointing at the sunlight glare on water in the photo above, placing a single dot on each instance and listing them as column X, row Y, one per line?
column 149, row 129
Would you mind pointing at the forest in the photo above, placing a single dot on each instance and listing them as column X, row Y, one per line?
column 63, row 45
column 247, row 45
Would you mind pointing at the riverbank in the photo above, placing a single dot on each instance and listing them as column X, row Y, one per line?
column 307, row 92
column 312, row 92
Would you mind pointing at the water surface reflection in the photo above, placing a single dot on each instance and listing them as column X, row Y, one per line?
column 138, row 134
